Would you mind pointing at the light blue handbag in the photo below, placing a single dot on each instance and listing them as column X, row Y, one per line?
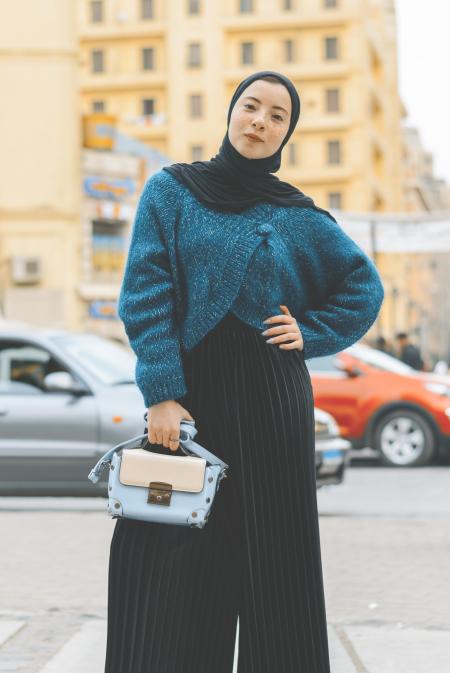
column 162, row 488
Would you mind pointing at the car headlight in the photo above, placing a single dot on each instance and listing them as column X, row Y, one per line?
column 325, row 424
column 438, row 388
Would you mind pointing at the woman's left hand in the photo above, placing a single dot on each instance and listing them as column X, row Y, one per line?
column 289, row 330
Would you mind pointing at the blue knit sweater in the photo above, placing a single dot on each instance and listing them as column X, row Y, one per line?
column 188, row 265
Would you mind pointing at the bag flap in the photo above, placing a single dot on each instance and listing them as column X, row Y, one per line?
column 139, row 467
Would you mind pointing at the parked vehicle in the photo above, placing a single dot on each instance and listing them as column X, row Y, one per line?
column 379, row 401
column 332, row 451
column 66, row 398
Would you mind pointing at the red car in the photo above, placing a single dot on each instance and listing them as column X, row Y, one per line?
column 379, row 401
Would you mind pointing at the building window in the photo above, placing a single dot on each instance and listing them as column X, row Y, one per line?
column 98, row 106
column 335, row 200
column 196, row 152
column 194, row 55
column 195, row 105
column 97, row 11
column 193, row 6
column 108, row 248
column 332, row 100
column 245, row 6
column 97, row 62
column 330, row 3
column 288, row 51
column 334, row 151
column 331, row 48
column 292, row 153
column 247, row 53
column 148, row 58
column 146, row 9
column 287, row 4
column 148, row 106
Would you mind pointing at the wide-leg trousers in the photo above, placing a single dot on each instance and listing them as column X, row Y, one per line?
column 175, row 593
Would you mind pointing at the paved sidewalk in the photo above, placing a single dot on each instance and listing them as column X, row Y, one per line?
column 385, row 551
column 84, row 651
column 353, row 649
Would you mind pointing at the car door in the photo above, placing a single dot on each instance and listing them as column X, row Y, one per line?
column 47, row 439
column 335, row 390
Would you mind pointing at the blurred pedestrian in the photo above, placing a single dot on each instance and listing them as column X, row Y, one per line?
column 382, row 344
column 409, row 353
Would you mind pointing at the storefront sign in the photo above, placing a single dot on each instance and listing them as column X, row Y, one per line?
column 108, row 188
column 103, row 310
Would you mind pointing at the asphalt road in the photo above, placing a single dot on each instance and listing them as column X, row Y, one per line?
column 385, row 536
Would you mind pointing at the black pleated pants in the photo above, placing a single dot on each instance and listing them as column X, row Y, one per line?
column 175, row 593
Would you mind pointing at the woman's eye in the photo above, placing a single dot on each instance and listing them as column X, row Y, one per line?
column 249, row 105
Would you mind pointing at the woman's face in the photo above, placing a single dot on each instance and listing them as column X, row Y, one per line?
column 267, row 117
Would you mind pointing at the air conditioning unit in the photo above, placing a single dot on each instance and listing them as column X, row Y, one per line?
column 26, row 270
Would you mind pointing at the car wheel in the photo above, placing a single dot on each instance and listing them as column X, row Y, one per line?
column 404, row 438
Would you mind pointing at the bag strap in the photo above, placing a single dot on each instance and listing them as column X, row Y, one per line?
column 187, row 445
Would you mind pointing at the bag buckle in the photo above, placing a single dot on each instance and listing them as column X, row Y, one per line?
column 159, row 493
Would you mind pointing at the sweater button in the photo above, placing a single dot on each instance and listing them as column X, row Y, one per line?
column 264, row 229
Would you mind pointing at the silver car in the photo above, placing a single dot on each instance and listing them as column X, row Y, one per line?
column 68, row 397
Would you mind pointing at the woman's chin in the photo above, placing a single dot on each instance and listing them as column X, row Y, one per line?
column 249, row 152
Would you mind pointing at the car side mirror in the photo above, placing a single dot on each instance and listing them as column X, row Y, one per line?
column 62, row 382
column 351, row 370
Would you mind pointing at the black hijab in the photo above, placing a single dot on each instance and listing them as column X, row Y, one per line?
column 231, row 182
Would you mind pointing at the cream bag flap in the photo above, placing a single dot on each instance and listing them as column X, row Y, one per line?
column 139, row 467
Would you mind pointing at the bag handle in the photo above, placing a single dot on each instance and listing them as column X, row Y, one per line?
column 187, row 445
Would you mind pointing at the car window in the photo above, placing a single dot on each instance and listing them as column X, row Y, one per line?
column 109, row 362
column 379, row 360
column 323, row 364
column 17, row 388
column 326, row 363
column 23, row 367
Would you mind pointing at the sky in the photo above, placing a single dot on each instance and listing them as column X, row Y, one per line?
column 423, row 34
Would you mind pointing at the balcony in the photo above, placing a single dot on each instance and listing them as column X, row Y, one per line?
column 317, row 123
column 97, row 32
column 304, row 71
column 378, row 98
column 289, row 21
column 326, row 175
column 116, row 82
column 145, row 127
column 376, row 46
column 378, row 143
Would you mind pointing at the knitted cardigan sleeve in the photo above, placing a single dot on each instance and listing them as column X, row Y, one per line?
column 351, row 289
column 146, row 305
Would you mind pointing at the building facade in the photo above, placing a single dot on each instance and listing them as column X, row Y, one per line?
column 40, row 163
column 423, row 191
column 167, row 69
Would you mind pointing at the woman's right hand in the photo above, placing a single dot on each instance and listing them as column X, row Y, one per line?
column 163, row 422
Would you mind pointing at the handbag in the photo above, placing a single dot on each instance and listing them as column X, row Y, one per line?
column 162, row 488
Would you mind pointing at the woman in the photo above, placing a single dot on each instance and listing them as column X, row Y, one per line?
column 224, row 255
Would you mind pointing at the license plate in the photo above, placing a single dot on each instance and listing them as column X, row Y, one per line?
column 331, row 454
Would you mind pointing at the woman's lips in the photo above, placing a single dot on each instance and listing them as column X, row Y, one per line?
column 254, row 140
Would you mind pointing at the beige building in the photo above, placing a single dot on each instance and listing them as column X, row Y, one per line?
column 423, row 191
column 164, row 72
column 167, row 70
column 412, row 253
column 39, row 162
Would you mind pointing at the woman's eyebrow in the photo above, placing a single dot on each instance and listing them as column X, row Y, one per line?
column 277, row 107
